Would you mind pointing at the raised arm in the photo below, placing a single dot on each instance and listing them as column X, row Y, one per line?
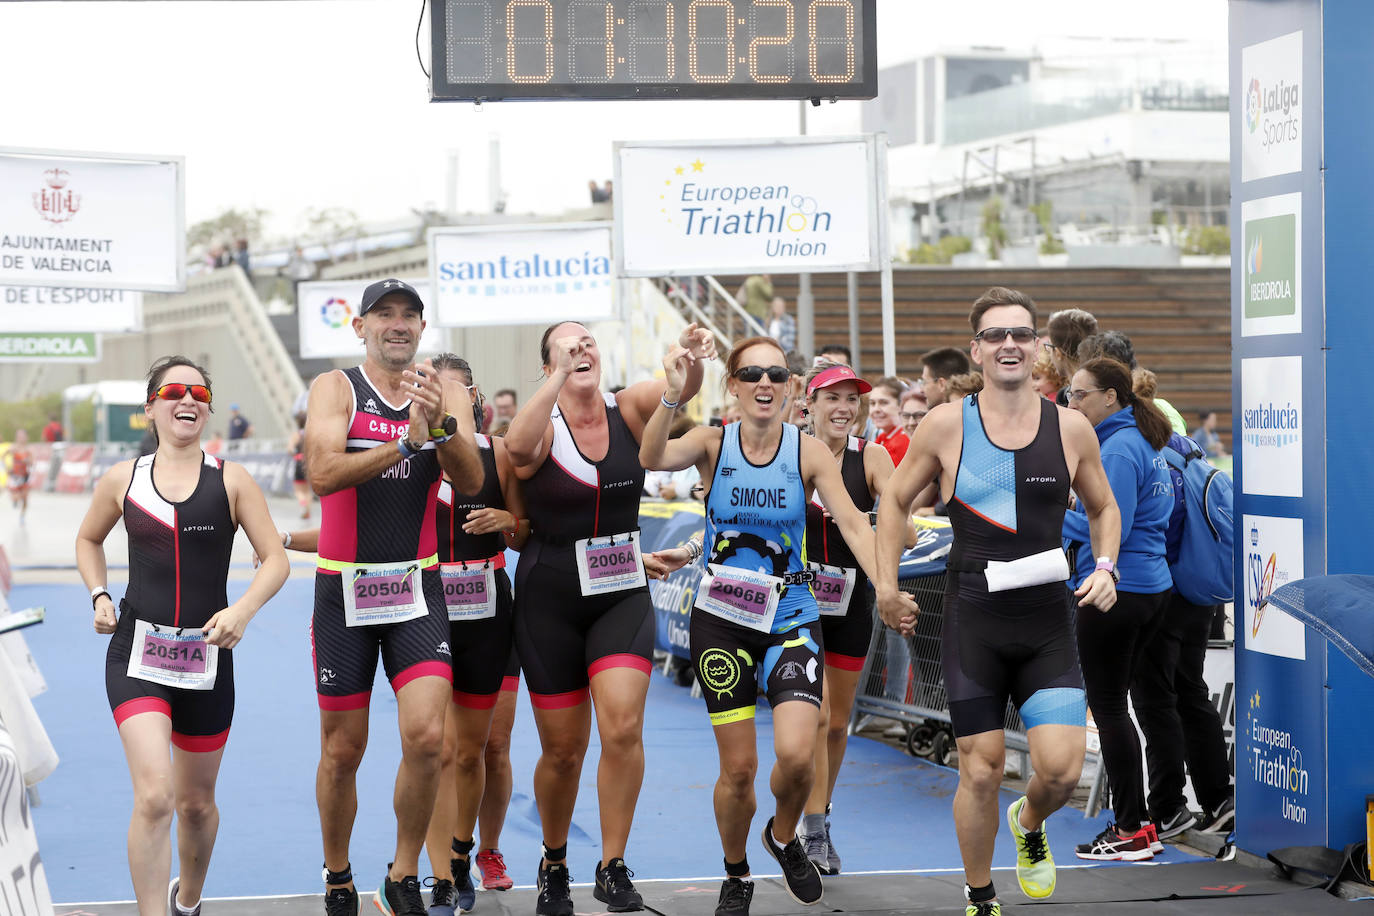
column 680, row 383
column 330, row 465
column 457, row 455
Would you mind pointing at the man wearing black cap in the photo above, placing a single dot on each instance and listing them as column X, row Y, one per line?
column 377, row 436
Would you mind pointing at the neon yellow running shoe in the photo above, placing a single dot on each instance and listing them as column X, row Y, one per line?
column 991, row 908
column 1034, row 863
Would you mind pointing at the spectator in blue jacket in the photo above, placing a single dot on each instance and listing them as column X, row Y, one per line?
column 1131, row 431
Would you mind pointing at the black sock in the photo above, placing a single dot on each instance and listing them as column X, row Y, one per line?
column 339, row 877
column 981, row 894
column 737, row 869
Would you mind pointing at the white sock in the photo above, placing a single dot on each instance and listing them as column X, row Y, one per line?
column 187, row 910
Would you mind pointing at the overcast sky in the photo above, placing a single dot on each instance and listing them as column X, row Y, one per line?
column 322, row 103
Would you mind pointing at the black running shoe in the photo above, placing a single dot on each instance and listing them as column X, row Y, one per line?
column 341, row 901
column 1176, row 823
column 401, row 898
column 799, row 873
column 615, row 889
column 555, row 898
column 735, row 894
column 1222, row 819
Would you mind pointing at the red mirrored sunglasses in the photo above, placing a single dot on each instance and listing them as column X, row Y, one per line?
column 175, row 391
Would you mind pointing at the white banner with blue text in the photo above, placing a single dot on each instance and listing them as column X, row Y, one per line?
column 526, row 274
column 775, row 206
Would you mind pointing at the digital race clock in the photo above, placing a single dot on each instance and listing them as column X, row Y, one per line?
column 486, row 50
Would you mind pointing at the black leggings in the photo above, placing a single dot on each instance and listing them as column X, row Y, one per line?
column 1174, row 706
column 1110, row 646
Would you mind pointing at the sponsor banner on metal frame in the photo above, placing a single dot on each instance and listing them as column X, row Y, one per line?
column 799, row 204
column 325, row 311
column 92, row 220
column 535, row 273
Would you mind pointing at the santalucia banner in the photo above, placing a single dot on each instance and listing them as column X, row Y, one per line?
column 92, row 221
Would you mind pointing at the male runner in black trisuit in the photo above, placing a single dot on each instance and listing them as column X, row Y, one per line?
column 1005, row 460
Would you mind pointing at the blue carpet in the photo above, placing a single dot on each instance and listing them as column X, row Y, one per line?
column 892, row 812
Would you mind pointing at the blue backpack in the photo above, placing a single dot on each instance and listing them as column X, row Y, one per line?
column 1200, row 541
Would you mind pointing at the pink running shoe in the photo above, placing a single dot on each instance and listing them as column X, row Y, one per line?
column 492, row 865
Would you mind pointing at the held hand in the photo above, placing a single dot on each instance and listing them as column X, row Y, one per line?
column 698, row 341
column 1098, row 590
column 422, row 382
column 104, row 616
column 488, row 521
column 568, row 354
column 675, row 364
column 898, row 610
column 662, row 563
column 225, row 629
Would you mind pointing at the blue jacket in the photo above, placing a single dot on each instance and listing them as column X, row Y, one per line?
column 1144, row 491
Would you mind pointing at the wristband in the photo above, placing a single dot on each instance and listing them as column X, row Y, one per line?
column 286, row 539
column 671, row 405
column 515, row 530
column 439, row 436
column 1106, row 565
column 97, row 592
column 403, row 448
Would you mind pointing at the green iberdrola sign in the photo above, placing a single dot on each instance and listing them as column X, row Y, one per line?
column 1271, row 250
column 75, row 347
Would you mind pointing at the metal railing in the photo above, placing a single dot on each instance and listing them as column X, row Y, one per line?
column 703, row 300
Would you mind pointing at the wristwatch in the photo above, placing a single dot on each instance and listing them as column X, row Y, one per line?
column 446, row 431
column 97, row 592
column 1106, row 564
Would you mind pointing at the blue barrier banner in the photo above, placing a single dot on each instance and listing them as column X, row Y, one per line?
column 663, row 525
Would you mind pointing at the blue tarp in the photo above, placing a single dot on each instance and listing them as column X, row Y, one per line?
column 1341, row 608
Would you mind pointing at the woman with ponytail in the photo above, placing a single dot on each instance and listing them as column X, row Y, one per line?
column 1131, row 431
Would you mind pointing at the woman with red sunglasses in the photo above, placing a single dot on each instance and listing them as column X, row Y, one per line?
column 169, row 669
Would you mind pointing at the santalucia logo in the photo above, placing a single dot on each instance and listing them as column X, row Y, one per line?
column 1273, row 110
column 1272, row 425
column 533, row 267
column 786, row 220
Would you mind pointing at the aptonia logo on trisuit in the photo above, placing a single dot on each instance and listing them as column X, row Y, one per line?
column 56, row 203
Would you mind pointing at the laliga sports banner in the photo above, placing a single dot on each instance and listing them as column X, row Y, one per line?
column 61, row 308
column 79, row 220
column 528, row 274
column 325, row 311
column 799, row 204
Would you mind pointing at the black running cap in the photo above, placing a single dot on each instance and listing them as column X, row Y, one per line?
column 382, row 288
